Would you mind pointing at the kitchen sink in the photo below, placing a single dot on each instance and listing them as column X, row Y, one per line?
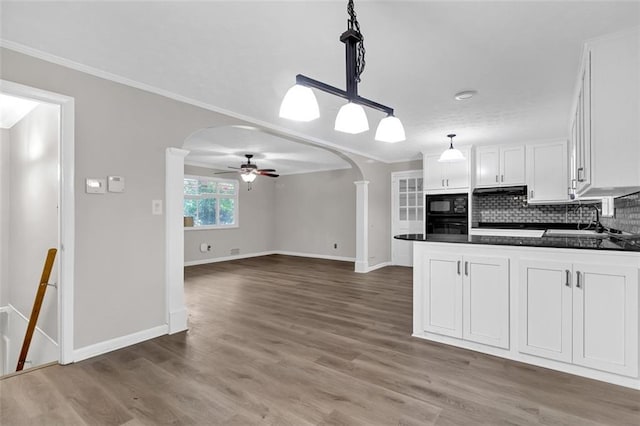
column 583, row 233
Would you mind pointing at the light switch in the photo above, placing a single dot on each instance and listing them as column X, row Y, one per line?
column 156, row 207
column 607, row 207
column 115, row 184
column 95, row 186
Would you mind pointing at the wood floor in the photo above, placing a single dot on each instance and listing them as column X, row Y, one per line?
column 281, row 340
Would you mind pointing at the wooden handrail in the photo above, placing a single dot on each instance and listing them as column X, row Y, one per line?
column 37, row 304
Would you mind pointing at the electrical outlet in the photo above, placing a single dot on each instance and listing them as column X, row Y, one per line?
column 335, row 245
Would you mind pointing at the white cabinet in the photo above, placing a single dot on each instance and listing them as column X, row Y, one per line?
column 547, row 173
column 585, row 314
column 442, row 177
column 500, row 166
column 604, row 130
column 466, row 297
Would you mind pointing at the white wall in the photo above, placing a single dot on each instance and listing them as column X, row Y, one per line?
column 120, row 252
column 315, row 211
column 4, row 215
column 33, row 211
column 257, row 222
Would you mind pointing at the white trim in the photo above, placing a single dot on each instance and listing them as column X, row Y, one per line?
column 267, row 253
column 362, row 226
column 210, row 166
column 119, row 342
column 209, row 227
column 66, row 234
column 10, row 307
column 174, row 240
column 26, row 50
column 378, row 266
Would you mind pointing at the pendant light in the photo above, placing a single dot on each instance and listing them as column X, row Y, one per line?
column 451, row 155
column 300, row 104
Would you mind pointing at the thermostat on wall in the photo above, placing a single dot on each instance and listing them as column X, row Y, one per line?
column 95, row 186
column 116, row 184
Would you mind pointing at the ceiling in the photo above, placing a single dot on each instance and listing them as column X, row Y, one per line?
column 241, row 57
column 221, row 147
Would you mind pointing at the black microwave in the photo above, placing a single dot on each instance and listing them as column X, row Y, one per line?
column 447, row 204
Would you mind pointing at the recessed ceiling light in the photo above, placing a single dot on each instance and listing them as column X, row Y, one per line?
column 467, row 94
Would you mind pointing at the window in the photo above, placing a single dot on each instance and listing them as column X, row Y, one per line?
column 211, row 202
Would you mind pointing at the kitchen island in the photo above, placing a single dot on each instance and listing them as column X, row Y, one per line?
column 565, row 303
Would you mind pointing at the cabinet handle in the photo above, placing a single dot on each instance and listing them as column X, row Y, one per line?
column 568, row 278
column 580, row 172
column 447, row 182
column 531, row 194
column 458, row 267
column 501, row 178
column 578, row 279
column 496, row 178
column 442, row 182
column 466, row 268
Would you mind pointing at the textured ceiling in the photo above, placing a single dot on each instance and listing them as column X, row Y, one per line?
column 521, row 57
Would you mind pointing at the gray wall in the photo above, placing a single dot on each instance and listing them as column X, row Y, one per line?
column 257, row 223
column 314, row 211
column 120, row 250
column 33, row 211
column 4, row 216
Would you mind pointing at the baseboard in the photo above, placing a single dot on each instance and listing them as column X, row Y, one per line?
column 227, row 258
column 315, row 256
column 119, row 343
column 267, row 253
column 177, row 321
column 362, row 267
column 378, row 266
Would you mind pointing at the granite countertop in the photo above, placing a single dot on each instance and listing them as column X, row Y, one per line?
column 612, row 242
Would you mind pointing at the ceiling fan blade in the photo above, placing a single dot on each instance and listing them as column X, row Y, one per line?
column 237, row 168
column 268, row 174
column 219, row 173
column 266, row 170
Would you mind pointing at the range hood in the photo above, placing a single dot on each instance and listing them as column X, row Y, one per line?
column 511, row 190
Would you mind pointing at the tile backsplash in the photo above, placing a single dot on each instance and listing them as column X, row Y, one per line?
column 512, row 209
column 627, row 214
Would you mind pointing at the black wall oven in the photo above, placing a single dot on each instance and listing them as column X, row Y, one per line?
column 447, row 214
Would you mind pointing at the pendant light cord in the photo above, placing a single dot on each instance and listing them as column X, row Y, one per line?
column 353, row 24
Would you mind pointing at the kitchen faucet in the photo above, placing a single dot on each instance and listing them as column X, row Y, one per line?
column 599, row 228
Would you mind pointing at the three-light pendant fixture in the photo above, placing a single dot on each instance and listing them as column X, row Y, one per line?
column 300, row 103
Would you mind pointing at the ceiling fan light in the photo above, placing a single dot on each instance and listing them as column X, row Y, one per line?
column 299, row 104
column 248, row 177
column 351, row 119
column 390, row 130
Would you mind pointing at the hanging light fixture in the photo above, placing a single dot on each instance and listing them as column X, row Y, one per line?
column 451, row 155
column 248, row 177
column 300, row 104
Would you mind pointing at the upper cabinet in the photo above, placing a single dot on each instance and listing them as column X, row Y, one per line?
column 548, row 173
column 446, row 177
column 604, row 131
column 500, row 166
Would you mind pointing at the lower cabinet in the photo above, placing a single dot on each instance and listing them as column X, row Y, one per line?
column 467, row 297
column 585, row 314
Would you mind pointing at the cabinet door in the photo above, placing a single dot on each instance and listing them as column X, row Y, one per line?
column 442, row 297
column 512, row 165
column 433, row 178
column 488, row 166
column 457, row 174
column 547, row 172
column 486, row 300
column 545, row 309
column 605, row 318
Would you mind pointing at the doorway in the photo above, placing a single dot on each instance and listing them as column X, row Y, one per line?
column 407, row 213
column 36, row 213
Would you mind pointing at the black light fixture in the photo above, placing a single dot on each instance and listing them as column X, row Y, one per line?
column 300, row 103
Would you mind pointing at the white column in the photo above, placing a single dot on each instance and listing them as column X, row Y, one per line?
column 362, row 226
column 174, row 230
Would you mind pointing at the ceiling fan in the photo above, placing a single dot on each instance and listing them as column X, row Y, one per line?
column 249, row 171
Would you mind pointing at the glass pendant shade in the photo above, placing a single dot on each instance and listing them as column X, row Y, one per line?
column 451, row 155
column 351, row 119
column 390, row 130
column 299, row 104
column 248, row 177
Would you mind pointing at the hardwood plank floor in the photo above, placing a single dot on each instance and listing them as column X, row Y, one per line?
column 281, row 340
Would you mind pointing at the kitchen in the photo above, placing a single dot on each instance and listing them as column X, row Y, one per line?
column 531, row 252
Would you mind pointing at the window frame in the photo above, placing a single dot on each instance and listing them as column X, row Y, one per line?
column 235, row 197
